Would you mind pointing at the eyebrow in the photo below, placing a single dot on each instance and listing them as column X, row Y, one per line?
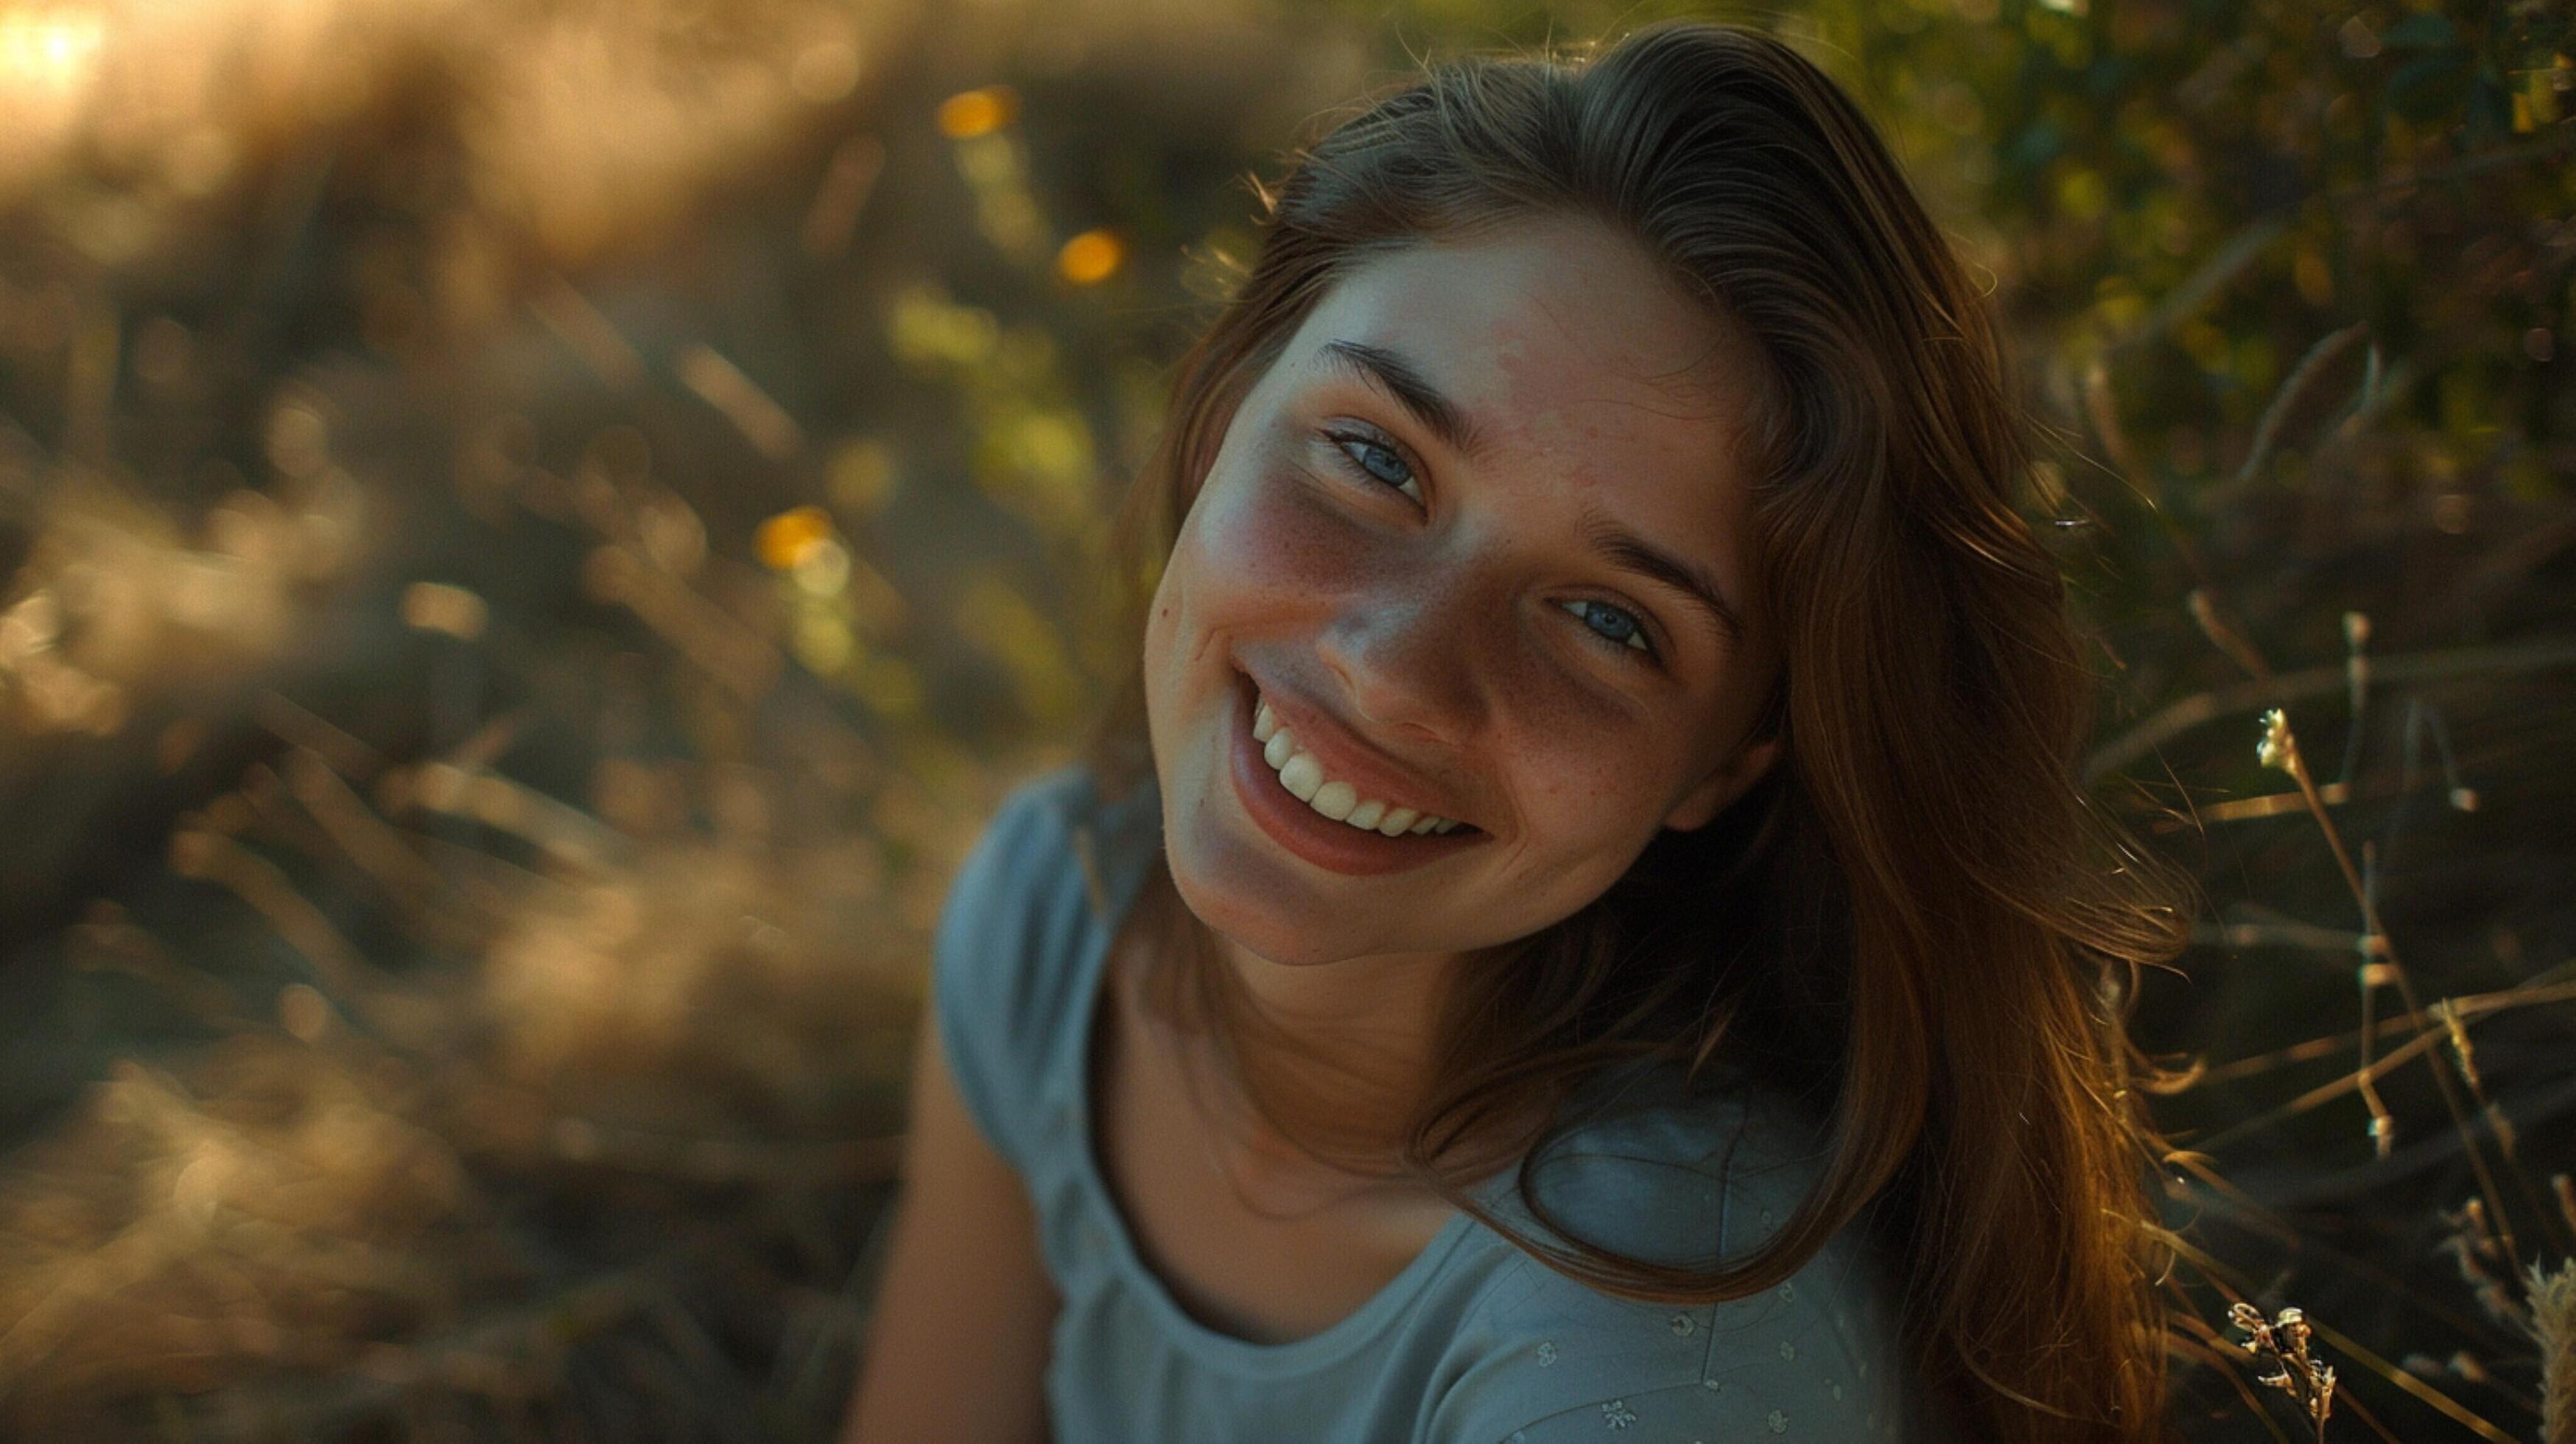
column 1398, row 378
column 1634, row 553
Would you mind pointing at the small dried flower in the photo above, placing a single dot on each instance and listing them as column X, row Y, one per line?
column 2282, row 1342
column 2278, row 748
column 2459, row 1040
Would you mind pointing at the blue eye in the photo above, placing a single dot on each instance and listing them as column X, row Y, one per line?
column 1375, row 461
column 1622, row 629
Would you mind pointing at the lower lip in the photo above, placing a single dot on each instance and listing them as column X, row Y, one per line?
column 1332, row 846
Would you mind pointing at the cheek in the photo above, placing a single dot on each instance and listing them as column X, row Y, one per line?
column 1251, row 553
column 1594, row 782
column 1171, row 593
column 1585, row 791
column 1268, row 535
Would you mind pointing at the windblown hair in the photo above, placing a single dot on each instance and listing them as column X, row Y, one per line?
column 1916, row 917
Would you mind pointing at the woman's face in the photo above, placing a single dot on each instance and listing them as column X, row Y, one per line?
column 1451, row 539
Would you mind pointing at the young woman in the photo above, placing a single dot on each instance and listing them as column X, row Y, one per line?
column 1583, row 922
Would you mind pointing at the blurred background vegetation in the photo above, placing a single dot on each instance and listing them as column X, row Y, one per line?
column 533, row 534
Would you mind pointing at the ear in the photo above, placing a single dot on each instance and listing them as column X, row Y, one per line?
column 1723, row 785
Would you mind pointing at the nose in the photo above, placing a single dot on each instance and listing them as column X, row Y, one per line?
column 1410, row 656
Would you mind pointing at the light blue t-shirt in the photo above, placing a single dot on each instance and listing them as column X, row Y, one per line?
column 1474, row 1342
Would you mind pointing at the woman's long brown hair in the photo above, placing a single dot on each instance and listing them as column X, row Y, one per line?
column 1917, row 916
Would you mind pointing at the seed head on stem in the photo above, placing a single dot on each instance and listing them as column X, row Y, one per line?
column 2282, row 1342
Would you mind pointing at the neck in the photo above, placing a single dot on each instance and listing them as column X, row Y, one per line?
column 1364, row 1028
column 1340, row 1055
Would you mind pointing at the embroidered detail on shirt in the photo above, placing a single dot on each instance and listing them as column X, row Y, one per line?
column 1546, row 1353
column 1838, row 1391
column 1789, row 1291
column 1617, row 1414
column 1779, row 1422
column 1712, row 1385
column 1788, row 1350
column 1682, row 1325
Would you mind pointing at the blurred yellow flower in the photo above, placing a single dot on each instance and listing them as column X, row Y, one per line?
column 972, row 113
column 784, row 539
column 1090, row 258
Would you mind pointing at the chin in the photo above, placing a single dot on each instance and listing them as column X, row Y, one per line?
column 1260, row 931
column 1197, row 846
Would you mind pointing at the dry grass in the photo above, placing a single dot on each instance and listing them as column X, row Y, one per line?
column 2552, row 1301
column 650, row 1104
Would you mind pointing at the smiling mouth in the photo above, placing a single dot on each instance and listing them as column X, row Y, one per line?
column 1392, row 842
column 1305, row 785
column 1304, row 778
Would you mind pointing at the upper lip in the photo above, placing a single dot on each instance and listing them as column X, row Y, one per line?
column 1345, row 757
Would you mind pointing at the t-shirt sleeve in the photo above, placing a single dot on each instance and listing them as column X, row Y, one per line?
column 998, row 960
column 1813, row 1358
column 1802, row 1361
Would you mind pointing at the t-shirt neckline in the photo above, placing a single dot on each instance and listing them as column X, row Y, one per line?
column 1126, row 835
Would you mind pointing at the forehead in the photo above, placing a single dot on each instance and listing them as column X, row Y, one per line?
column 1553, row 333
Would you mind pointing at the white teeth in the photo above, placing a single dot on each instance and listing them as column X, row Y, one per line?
column 1303, row 776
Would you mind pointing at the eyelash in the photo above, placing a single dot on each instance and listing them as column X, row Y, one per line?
column 1646, row 655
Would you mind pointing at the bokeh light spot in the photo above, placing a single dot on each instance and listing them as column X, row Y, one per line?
column 825, row 71
column 977, row 112
column 784, row 539
column 1090, row 258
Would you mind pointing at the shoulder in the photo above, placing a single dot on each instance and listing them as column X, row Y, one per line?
column 1010, row 934
column 1020, row 874
column 1813, row 1358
